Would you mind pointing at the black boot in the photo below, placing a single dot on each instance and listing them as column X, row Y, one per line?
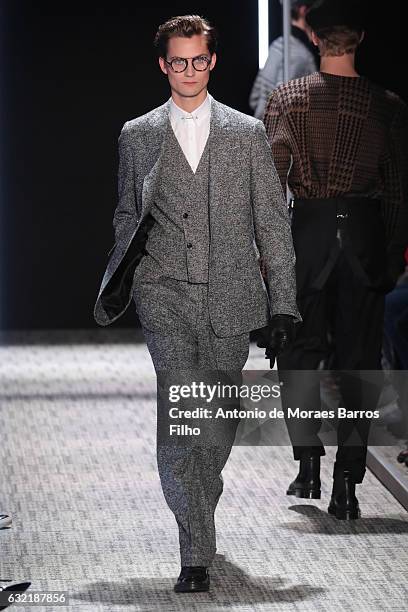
column 307, row 482
column 344, row 503
column 192, row 579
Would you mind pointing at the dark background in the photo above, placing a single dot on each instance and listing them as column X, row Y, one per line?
column 71, row 75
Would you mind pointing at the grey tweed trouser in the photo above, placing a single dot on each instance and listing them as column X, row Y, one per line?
column 176, row 325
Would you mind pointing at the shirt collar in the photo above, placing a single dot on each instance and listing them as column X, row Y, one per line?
column 303, row 37
column 203, row 111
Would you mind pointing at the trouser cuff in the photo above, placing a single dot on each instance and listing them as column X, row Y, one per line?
column 308, row 451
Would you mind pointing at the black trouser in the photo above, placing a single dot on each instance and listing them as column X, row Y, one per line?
column 351, row 313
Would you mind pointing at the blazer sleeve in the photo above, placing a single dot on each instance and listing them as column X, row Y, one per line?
column 125, row 217
column 272, row 227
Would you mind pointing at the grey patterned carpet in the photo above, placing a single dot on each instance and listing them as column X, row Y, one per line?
column 77, row 429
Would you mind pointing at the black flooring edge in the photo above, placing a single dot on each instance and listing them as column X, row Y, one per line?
column 388, row 474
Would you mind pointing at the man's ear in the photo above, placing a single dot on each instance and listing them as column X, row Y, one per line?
column 163, row 65
column 213, row 60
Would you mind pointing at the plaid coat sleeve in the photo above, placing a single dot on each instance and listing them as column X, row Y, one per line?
column 278, row 137
column 394, row 170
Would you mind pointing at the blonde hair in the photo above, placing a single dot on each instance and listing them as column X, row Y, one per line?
column 337, row 40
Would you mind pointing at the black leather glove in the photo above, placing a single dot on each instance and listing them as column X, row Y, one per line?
column 277, row 336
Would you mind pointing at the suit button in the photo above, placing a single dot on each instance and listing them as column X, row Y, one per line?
column 189, row 245
column 185, row 215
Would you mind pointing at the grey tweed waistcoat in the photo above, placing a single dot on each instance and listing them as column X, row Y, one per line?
column 179, row 241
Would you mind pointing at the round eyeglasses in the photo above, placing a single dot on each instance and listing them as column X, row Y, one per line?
column 179, row 64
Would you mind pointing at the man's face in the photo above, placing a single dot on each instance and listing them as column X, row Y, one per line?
column 191, row 82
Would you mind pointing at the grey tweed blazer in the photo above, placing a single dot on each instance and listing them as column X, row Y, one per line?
column 248, row 218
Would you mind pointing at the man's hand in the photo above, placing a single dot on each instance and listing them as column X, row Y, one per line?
column 278, row 335
column 281, row 333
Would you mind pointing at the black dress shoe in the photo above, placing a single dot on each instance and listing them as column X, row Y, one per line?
column 307, row 482
column 344, row 503
column 193, row 579
column 18, row 587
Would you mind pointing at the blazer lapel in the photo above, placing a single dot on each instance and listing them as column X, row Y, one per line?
column 156, row 134
column 219, row 153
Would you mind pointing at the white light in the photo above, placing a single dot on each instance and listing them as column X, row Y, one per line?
column 263, row 31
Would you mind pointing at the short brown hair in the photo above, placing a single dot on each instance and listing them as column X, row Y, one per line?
column 337, row 40
column 185, row 26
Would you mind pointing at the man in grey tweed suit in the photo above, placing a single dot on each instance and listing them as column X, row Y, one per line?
column 199, row 201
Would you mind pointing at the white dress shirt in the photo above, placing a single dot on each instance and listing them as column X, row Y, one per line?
column 191, row 129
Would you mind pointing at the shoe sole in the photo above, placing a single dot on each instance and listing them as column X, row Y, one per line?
column 5, row 523
column 201, row 589
column 305, row 493
column 344, row 516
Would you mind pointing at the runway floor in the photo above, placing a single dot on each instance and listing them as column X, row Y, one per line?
column 77, row 431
